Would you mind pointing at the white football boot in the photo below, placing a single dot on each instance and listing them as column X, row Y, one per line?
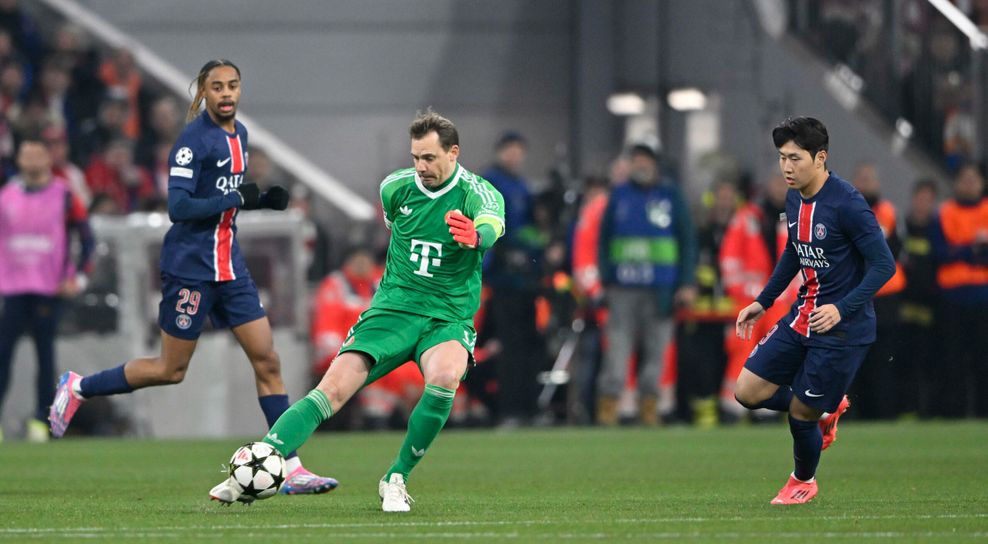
column 227, row 492
column 394, row 495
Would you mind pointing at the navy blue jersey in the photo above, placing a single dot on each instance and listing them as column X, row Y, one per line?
column 206, row 161
column 826, row 233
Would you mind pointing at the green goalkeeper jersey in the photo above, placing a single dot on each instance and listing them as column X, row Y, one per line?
column 427, row 273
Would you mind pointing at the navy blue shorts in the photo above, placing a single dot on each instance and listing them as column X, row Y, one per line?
column 819, row 376
column 185, row 304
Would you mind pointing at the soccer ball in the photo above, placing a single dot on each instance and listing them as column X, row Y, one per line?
column 258, row 469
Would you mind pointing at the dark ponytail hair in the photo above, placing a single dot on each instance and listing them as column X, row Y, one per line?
column 200, row 84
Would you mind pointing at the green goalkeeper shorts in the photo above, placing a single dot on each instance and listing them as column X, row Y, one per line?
column 392, row 338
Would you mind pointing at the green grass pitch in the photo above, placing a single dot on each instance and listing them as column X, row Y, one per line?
column 879, row 482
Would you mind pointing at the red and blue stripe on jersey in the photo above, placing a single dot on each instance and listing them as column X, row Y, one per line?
column 206, row 161
column 811, row 282
column 223, row 238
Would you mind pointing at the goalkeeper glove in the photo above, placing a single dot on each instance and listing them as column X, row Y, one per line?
column 462, row 228
column 250, row 196
column 275, row 198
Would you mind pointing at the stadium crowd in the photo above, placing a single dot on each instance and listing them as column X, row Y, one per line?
column 914, row 65
column 607, row 303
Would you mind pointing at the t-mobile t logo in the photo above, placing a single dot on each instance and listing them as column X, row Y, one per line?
column 424, row 261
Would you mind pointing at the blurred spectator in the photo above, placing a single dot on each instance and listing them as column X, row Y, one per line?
column 513, row 275
column 9, row 54
column 7, row 168
column 510, row 151
column 702, row 328
column 873, row 397
column 72, row 46
column 773, row 207
column 339, row 301
column 960, row 244
column 57, row 140
column 916, row 356
column 120, row 75
column 96, row 133
column 317, row 238
column 589, row 292
column 32, row 118
column 960, row 130
column 114, row 174
column 12, row 89
column 260, row 168
column 37, row 214
column 53, row 90
column 7, row 49
column 647, row 262
column 22, row 30
column 163, row 127
column 159, row 168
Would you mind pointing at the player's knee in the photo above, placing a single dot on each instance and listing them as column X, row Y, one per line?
column 748, row 396
column 802, row 412
column 447, row 378
column 746, row 400
column 750, row 391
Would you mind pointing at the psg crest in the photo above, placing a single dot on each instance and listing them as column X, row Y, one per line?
column 820, row 231
column 183, row 321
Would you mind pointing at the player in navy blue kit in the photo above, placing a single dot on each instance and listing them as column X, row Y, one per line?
column 202, row 270
column 806, row 362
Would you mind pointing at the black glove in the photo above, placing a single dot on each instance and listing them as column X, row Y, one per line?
column 251, row 196
column 275, row 198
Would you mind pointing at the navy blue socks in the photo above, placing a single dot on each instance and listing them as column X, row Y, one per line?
column 807, row 442
column 273, row 406
column 107, row 382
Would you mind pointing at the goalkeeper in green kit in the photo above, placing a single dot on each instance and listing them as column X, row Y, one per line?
column 442, row 219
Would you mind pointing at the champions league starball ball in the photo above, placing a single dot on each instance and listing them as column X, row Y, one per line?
column 258, row 469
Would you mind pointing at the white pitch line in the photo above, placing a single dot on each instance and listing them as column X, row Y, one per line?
column 459, row 536
column 86, row 531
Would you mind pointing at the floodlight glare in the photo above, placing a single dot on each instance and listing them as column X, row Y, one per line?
column 626, row 104
column 687, row 99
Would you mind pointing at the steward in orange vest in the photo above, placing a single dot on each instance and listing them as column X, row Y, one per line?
column 960, row 243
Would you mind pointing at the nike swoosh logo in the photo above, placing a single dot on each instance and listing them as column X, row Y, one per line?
column 791, row 225
column 809, row 394
column 220, row 164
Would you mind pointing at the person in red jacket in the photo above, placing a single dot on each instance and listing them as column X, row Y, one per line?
column 114, row 174
column 588, row 289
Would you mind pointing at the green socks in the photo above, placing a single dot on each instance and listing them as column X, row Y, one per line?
column 299, row 421
column 427, row 420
